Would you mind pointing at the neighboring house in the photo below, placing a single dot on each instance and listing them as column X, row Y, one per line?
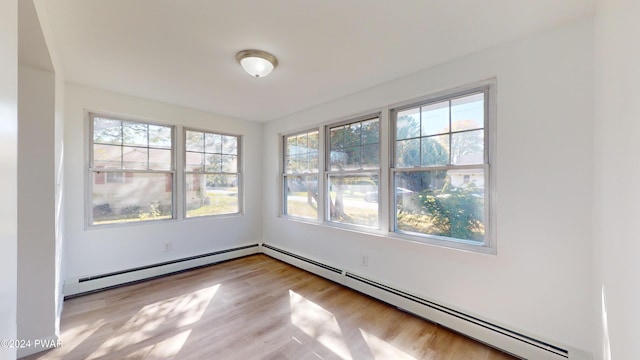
column 462, row 177
column 109, row 194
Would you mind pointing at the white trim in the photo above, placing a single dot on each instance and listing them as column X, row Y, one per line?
column 75, row 286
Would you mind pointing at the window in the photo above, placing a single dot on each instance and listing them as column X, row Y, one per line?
column 428, row 179
column 212, row 174
column 353, row 172
column 440, row 171
column 300, row 178
column 132, row 171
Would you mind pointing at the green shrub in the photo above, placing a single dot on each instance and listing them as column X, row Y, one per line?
column 456, row 212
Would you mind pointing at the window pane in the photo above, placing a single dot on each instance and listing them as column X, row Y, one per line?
column 301, row 196
column 107, row 131
column 435, row 150
column 371, row 156
column 353, row 134
column 467, row 112
column 194, row 141
column 107, row 156
column 313, row 161
column 292, row 149
column 353, row 199
column 371, row 131
column 194, row 161
column 160, row 159
column 435, row 119
column 292, row 164
column 408, row 153
column 467, row 148
column 135, row 134
column 302, row 153
column 134, row 158
column 408, row 124
column 209, row 194
column 160, row 136
column 288, row 164
column 337, row 137
column 443, row 203
column 353, row 157
column 229, row 163
column 213, row 163
column 141, row 197
column 313, row 141
column 300, row 163
column 338, row 160
column 229, row 145
column 302, row 143
column 213, row 143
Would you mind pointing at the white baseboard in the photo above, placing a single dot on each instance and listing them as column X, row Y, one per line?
column 88, row 284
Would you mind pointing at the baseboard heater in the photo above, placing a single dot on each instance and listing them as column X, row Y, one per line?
column 90, row 284
column 495, row 335
column 302, row 258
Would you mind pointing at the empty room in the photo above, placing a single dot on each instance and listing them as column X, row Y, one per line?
column 330, row 179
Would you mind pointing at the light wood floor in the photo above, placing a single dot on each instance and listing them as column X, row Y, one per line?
column 250, row 308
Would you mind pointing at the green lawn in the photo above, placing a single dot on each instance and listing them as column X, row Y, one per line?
column 219, row 204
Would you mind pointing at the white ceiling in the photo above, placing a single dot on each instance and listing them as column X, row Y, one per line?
column 183, row 51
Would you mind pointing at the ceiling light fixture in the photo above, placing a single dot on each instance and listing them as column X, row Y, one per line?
column 257, row 63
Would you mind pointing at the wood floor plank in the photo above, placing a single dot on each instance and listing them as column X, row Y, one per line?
column 255, row 307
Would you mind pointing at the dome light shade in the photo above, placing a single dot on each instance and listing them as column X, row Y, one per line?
column 257, row 63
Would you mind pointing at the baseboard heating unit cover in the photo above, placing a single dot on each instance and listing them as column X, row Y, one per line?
column 483, row 330
column 88, row 284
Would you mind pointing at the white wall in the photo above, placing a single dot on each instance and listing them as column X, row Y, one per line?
column 617, row 208
column 59, row 186
column 101, row 250
column 39, row 177
column 37, row 311
column 540, row 280
column 56, row 67
column 8, row 169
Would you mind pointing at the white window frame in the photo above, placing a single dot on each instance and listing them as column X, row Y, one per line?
column 89, row 182
column 387, row 170
column 353, row 172
column 489, row 245
column 284, row 175
column 186, row 173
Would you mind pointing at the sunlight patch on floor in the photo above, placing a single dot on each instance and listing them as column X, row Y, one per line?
column 382, row 349
column 318, row 323
column 178, row 311
column 79, row 334
column 165, row 349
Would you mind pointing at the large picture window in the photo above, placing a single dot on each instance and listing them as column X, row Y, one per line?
column 132, row 171
column 440, row 171
column 300, row 178
column 212, row 174
column 353, row 172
